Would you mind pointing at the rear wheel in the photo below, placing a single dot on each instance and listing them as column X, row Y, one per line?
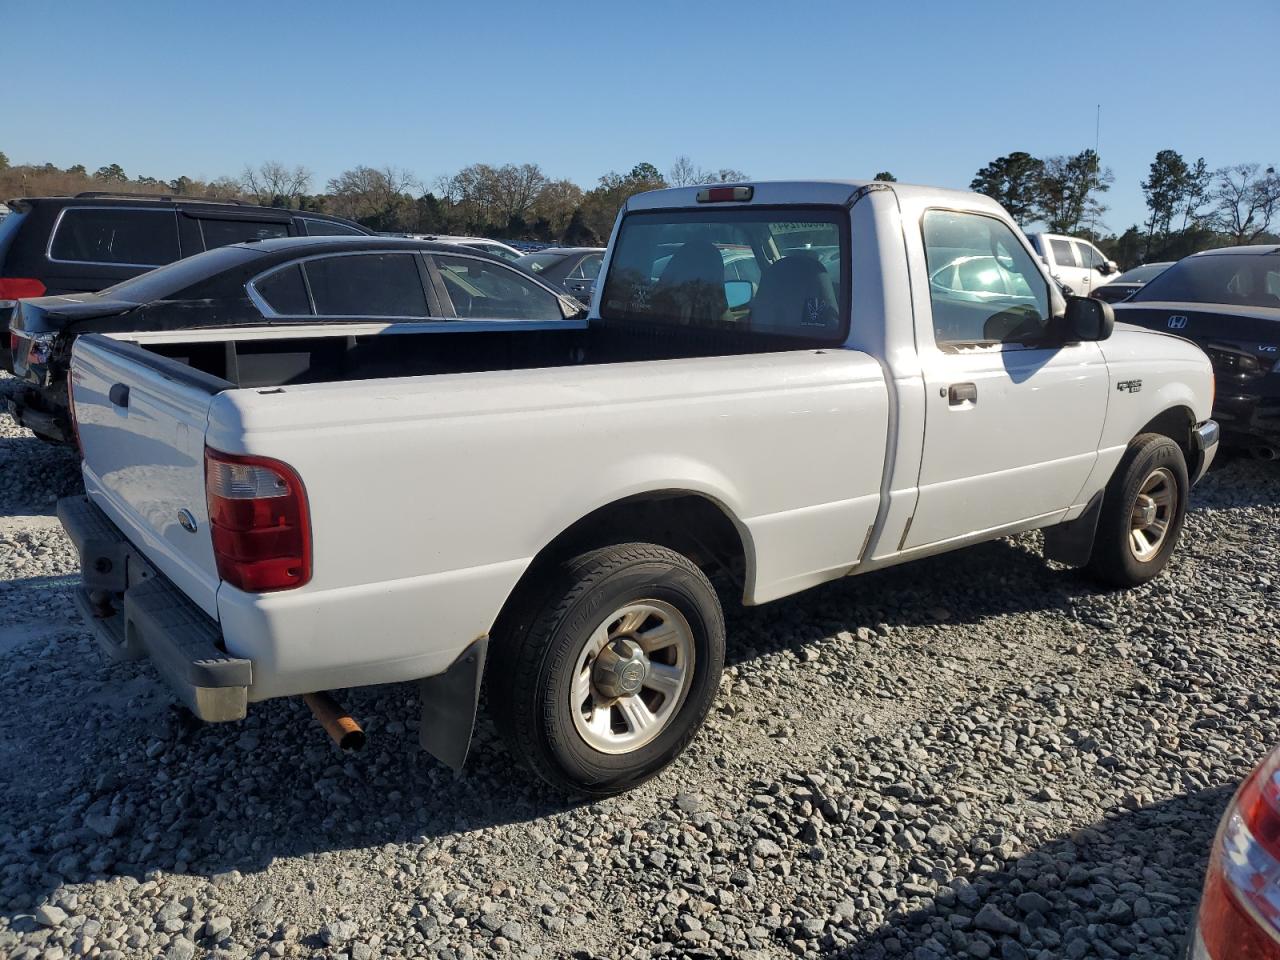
column 611, row 671
column 1142, row 513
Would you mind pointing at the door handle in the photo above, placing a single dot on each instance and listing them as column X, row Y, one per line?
column 119, row 395
column 958, row 393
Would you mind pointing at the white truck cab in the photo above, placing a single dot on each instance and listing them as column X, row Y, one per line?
column 780, row 383
column 1074, row 262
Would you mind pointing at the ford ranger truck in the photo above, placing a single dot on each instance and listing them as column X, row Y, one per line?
column 777, row 385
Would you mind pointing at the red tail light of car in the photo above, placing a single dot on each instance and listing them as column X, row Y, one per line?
column 1239, row 915
column 258, row 521
column 16, row 288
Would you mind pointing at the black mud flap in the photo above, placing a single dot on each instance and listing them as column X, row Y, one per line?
column 1072, row 542
column 449, row 702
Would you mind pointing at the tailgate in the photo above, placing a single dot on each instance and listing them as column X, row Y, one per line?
column 141, row 420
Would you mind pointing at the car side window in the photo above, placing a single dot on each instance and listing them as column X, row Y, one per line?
column 588, row 268
column 984, row 286
column 1064, row 254
column 223, row 233
column 367, row 285
column 484, row 290
column 327, row 228
column 285, row 291
column 116, row 235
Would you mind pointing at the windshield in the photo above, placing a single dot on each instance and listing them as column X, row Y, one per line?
column 537, row 262
column 163, row 282
column 1242, row 279
column 779, row 271
column 1142, row 274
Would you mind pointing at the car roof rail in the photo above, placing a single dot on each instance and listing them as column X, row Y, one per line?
column 169, row 197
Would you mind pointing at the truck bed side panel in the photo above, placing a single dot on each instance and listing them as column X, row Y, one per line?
column 430, row 496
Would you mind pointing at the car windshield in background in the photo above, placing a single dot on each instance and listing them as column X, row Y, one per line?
column 1143, row 274
column 769, row 271
column 167, row 281
column 537, row 262
column 1244, row 279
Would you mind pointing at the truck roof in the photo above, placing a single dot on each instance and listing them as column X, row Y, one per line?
column 823, row 192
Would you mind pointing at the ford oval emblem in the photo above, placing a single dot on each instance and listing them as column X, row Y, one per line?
column 187, row 521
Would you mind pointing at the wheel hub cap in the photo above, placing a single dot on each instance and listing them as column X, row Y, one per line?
column 631, row 677
column 620, row 669
column 1154, row 509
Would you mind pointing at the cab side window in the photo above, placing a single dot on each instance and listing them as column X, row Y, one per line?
column 1064, row 253
column 984, row 286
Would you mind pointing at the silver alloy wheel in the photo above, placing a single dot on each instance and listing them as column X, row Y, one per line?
column 1153, row 512
column 631, row 677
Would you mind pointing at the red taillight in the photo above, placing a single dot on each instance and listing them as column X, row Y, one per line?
column 15, row 288
column 258, row 522
column 1239, row 915
column 724, row 194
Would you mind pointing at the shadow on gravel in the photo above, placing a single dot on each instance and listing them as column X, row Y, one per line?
column 1124, row 887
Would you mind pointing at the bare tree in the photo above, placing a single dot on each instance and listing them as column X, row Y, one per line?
column 275, row 184
column 685, row 173
column 1246, row 200
column 377, row 197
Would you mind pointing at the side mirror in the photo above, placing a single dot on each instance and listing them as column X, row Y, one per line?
column 1089, row 319
column 738, row 293
column 1107, row 267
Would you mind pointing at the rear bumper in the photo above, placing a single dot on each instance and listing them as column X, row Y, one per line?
column 135, row 612
column 1206, row 437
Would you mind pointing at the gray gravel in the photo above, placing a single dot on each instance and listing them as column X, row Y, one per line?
column 973, row 756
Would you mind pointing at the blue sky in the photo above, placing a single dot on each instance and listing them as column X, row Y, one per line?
column 928, row 90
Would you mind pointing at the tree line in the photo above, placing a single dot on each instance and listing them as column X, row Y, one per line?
column 1190, row 207
column 514, row 201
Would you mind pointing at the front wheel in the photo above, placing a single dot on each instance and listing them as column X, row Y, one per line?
column 1143, row 509
column 613, row 669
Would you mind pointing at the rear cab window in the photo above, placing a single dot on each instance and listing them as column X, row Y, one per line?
column 122, row 236
column 781, row 271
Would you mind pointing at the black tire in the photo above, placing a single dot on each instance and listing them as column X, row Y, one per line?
column 1113, row 559
column 534, row 654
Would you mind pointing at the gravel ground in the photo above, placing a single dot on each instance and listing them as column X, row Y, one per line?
column 977, row 755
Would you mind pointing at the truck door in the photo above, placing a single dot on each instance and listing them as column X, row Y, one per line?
column 1012, row 419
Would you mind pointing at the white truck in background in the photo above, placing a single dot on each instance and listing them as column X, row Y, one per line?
column 1074, row 262
column 887, row 373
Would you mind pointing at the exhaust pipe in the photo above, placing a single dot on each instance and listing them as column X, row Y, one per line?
column 1265, row 453
column 339, row 724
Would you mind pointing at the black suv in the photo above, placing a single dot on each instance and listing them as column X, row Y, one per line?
column 85, row 243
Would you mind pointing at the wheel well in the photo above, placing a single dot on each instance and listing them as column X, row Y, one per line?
column 1176, row 423
column 688, row 523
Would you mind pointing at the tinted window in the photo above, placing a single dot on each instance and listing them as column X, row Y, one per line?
column 170, row 281
column 588, row 268
column 483, row 290
column 1243, row 279
column 285, row 292
column 143, row 238
column 327, row 228
column 669, row 267
column 1142, row 274
column 983, row 284
column 220, row 233
column 367, row 285
column 9, row 225
column 537, row 262
column 1087, row 256
column 1063, row 253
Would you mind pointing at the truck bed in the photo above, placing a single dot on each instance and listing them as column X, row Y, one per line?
column 280, row 356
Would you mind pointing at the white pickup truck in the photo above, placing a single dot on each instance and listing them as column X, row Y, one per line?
column 780, row 383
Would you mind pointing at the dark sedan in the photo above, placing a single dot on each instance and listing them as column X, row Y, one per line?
column 300, row 280
column 572, row 269
column 1228, row 302
column 1130, row 282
